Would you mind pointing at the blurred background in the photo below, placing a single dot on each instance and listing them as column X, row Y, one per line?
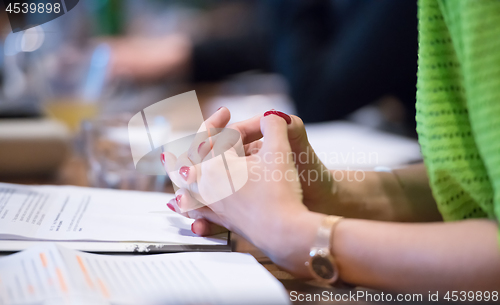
column 69, row 87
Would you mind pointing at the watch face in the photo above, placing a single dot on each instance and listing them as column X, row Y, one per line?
column 323, row 267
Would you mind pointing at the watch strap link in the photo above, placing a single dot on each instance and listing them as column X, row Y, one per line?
column 325, row 230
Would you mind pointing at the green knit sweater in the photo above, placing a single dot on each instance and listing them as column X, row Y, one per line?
column 458, row 105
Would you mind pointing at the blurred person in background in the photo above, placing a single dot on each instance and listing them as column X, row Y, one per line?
column 427, row 227
column 336, row 55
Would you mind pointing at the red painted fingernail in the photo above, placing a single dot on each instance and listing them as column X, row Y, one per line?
column 220, row 108
column 178, row 199
column 285, row 116
column 162, row 157
column 192, row 228
column 199, row 146
column 170, row 207
column 184, row 172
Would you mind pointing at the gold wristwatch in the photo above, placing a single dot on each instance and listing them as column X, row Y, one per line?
column 321, row 263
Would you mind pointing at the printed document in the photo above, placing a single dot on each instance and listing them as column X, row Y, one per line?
column 69, row 213
column 51, row 274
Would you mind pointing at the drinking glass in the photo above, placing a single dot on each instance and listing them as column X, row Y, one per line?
column 109, row 157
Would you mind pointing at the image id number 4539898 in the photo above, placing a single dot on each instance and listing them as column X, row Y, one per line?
column 476, row 296
column 24, row 8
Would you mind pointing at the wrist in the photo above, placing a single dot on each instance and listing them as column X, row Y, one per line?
column 293, row 241
column 368, row 198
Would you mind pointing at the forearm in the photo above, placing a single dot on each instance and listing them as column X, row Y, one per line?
column 401, row 195
column 409, row 257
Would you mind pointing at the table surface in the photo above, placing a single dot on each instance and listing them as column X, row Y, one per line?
column 73, row 172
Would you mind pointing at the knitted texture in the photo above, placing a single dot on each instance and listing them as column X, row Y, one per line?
column 458, row 105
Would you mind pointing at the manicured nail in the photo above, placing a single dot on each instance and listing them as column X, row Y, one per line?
column 220, row 108
column 285, row 116
column 192, row 228
column 170, row 207
column 199, row 146
column 178, row 199
column 184, row 172
column 162, row 158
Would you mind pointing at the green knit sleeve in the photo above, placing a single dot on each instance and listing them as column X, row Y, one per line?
column 474, row 26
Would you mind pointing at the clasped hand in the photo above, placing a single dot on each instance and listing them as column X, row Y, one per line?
column 267, row 205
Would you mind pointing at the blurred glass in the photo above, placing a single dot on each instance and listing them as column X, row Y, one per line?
column 109, row 158
column 64, row 102
column 70, row 111
column 77, row 86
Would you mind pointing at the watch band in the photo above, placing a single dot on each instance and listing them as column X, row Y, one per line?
column 321, row 263
column 325, row 230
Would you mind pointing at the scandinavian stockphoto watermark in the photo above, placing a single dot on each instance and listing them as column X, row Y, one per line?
column 354, row 296
column 370, row 296
column 174, row 131
column 308, row 167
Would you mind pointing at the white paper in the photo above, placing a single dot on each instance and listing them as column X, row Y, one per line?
column 51, row 274
column 345, row 145
column 68, row 213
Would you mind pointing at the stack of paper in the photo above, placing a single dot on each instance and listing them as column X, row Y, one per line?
column 51, row 274
column 68, row 213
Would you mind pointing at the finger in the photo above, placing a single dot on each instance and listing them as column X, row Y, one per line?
column 204, row 227
column 172, row 205
column 205, row 213
column 169, row 163
column 186, row 201
column 214, row 184
column 211, row 223
column 182, row 175
column 297, row 134
column 248, row 129
column 252, row 148
column 169, row 160
column 209, row 128
column 274, row 127
column 217, row 120
column 227, row 139
column 203, row 148
column 186, row 170
column 183, row 198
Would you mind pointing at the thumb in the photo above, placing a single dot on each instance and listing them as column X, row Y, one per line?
column 274, row 127
column 297, row 135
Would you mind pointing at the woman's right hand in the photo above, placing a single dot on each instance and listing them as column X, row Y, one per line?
column 316, row 180
column 318, row 183
column 268, row 195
